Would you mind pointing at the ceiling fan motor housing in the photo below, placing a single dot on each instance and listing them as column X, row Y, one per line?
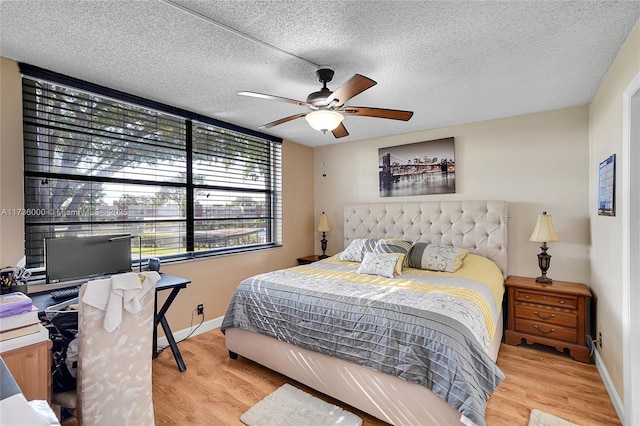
column 319, row 98
column 325, row 74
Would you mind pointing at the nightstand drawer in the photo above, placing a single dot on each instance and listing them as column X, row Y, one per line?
column 548, row 315
column 546, row 299
column 551, row 331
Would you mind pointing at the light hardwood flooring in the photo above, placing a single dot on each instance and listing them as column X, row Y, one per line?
column 216, row 390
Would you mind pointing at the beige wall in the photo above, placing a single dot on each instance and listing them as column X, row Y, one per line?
column 535, row 162
column 213, row 279
column 605, row 138
column 11, row 190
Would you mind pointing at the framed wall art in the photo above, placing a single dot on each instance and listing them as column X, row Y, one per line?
column 419, row 168
column 607, row 187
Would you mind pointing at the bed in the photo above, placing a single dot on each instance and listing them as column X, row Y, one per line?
column 367, row 340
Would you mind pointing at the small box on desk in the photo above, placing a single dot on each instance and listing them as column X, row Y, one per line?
column 14, row 303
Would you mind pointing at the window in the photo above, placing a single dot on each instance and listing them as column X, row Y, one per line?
column 187, row 185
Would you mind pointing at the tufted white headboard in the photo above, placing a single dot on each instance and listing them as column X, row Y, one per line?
column 478, row 226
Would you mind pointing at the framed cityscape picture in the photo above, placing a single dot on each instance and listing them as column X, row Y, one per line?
column 607, row 187
column 419, row 168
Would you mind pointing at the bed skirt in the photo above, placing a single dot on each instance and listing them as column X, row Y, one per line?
column 382, row 395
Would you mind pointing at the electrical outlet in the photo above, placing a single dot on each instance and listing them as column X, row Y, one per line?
column 200, row 309
column 600, row 339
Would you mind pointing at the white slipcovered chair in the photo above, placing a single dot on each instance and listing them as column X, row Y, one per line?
column 114, row 380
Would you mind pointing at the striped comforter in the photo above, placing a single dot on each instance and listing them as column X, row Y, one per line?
column 428, row 328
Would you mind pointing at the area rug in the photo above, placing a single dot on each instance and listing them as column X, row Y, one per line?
column 540, row 418
column 290, row 406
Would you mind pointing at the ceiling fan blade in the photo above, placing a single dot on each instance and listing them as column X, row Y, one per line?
column 282, row 120
column 393, row 114
column 274, row 98
column 352, row 87
column 340, row 131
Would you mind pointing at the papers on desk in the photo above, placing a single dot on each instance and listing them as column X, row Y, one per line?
column 16, row 411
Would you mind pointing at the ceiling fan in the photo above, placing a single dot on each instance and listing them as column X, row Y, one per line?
column 327, row 108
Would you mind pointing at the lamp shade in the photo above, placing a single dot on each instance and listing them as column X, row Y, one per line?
column 323, row 225
column 324, row 120
column 544, row 230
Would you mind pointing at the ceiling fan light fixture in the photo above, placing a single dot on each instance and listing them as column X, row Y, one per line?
column 324, row 120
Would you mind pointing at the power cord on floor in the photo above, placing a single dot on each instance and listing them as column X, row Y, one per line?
column 191, row 326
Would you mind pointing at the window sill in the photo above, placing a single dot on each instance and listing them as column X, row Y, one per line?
column 37, row 283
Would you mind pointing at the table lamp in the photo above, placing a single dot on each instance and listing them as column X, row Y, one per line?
column 544, row 232
column 323, row 227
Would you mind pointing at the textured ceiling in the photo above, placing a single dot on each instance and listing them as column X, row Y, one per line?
column 449, row 62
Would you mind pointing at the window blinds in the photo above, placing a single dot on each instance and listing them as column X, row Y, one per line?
column 96, row 165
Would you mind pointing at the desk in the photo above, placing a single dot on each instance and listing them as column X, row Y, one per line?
column 175, row 284
column 166, row 282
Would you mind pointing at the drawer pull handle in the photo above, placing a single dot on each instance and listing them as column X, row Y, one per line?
column 544, row 297
column 542, row 331
column 526, row 296
column 544, row 318
column 562, row 301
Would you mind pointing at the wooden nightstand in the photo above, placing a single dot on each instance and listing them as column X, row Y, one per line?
column 308, row 259
column 555, row 314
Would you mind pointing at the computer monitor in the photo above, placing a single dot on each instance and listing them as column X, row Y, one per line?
column 71, row 258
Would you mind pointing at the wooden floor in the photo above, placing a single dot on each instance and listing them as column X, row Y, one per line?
column 216, row 390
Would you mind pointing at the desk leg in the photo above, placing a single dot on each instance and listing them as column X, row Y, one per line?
column 154, row 349
column 160, row 319
column 172, row 344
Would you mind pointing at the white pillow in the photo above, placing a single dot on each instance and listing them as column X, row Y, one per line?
column 395, row 245
column 379, row 264
column 357, row 248
column 435, row 257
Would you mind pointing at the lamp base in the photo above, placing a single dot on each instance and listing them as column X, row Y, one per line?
column 544, row 260
column 323, row 243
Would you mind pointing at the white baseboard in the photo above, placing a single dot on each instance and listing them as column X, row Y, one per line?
column 182, row 334
column 608, row 384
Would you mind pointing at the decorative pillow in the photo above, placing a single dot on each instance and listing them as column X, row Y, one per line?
column 399, row 246
column 435, row 257
column 357, row 248
column 379, row 264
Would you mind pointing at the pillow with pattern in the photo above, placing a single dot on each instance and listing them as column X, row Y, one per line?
column 434, row 257
column 379, row 264
column 398, row 246
column 357, row 248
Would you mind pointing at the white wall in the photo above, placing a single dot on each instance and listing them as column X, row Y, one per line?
column 535, row 162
